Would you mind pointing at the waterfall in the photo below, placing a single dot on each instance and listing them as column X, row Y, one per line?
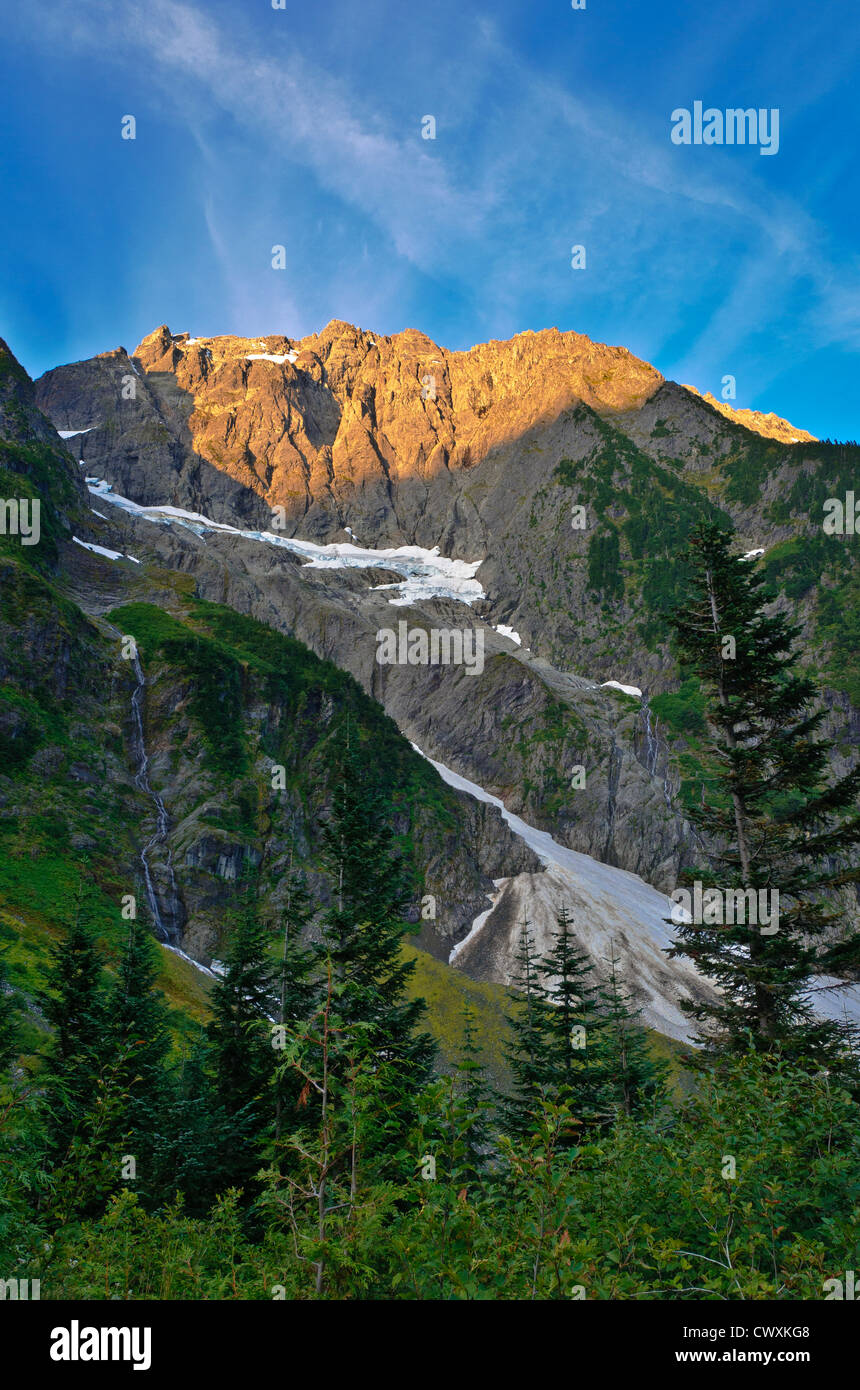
column 165, row 932
column 652, row 754
column 652, row 751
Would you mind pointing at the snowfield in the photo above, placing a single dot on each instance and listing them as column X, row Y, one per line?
column 425, row 573
column 504, row 631
column 272, row 357
column 102, row 550
column 625, row 689
column 611, row 908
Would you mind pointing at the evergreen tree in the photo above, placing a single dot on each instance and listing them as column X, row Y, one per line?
column 8, row 1017
column 138, row 1033
column 299, row 970
column 473, row 1100
column 575, row 1063
column 526, row 1053
column 298, row 992
column 75, row 1006
column 363, row 933
column 244, row 1004
column 637, row 1080
column 138, row 1022
column 771, row 819
column 193, row 1147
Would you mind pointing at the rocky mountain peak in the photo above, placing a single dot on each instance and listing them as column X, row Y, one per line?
column 770, row 425
column 310, row 421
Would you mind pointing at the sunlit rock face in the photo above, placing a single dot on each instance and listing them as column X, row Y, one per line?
column 342, row 426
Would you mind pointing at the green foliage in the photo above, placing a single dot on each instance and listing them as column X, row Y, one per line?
column 138, row 1033
column 636, row 1080
column 36, row 471
column 647, row 1210
column 242, row 1057
column 76, row 1007
column 604, row 558
column 646, row 513
column 576, row 1046
column 215, row 676
column 778, row 822
column 9, row 1032
column 750, row 461
column 567, row 472
column 363, row 931
column 683, row 710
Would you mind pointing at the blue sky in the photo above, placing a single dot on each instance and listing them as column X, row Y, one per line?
column 302, row 127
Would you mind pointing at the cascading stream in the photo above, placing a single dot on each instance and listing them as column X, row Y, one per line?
column 653, row 747
column 652, row 754
column 165, row 932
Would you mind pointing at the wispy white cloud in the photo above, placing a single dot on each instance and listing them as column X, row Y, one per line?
column 494, row 207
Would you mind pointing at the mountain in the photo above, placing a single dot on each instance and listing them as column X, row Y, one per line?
column 224, row 699
column 261, row 512
column 770, row 426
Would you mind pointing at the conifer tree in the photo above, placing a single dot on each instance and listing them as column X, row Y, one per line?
column 363, row 935
column 138, row 1024
column 637, row 1080
column 577, row 1071
column 75, row 1006
column 771, row 818
column 526, row 1052
column 298, row 992
column 473, row 1097
column 8, row 1017
column 194, row 1144
column 244, row 1004
column 300, row 964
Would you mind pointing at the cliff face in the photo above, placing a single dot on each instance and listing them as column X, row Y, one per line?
column 339, row 428
column 769, row 425
column 345, row 419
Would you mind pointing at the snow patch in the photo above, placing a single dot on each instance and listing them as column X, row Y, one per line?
column 99, row 549
column 70, row 434
column 627, row 689
column 103, row 550
column 481, row 917
column 608, row 904
column 272, row 357
column 611, row 905
column 425, row 573
column 504, row 631
column 835, row 999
